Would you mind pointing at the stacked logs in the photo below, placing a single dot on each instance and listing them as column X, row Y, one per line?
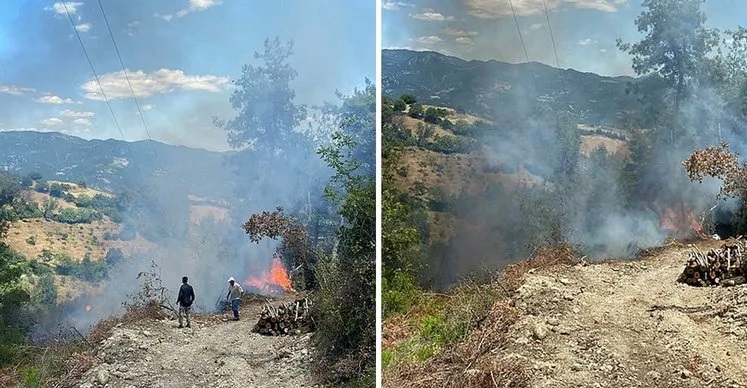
column 287, row 318
column 719, row 266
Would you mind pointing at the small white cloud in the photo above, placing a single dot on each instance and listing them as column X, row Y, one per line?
column 84, row 27
column 132, row 27
column 194, row 6
column 147, row 107
column 164, row 17
column 74, row 114
column 394, row 5
column 50, row 99
column 59, row 7
column 82, row 122
column 52, row 121
column 15, row 90
column 456, row 32
column 432, row 16
column 586, row 42
column 603, row 50
column 492, row 9
column 147, row 84
column 429, row 39
column 599, row 5
column 535, row 26
column 464, row 40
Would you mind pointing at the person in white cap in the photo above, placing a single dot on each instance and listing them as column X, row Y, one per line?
column 234, row 294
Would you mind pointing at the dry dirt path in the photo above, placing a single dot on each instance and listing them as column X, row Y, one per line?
column 215, row 352
column 629, row 324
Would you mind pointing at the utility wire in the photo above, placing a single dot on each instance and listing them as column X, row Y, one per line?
column 96, row 76
column 549, row 27
column 518, row 29
column 132, row 91
column 521, row 39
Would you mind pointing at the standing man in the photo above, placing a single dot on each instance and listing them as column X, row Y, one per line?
column 185, row 299
column 234, row 294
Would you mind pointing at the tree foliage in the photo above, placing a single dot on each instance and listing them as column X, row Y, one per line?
column 267, row 115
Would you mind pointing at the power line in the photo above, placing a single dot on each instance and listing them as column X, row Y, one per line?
column 96, row 76
column 521, row 38
column 132, row 91
column 552, row 37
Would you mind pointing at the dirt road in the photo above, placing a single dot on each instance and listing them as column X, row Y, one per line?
column 629, row 324
column 215, row 352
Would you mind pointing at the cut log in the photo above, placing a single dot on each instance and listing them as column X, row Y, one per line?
column 286, row 318
column 711, row 268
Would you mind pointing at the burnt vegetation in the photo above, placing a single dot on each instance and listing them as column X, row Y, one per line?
column 541, row 200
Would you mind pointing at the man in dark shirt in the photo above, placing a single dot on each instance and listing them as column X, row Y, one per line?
column 185, row 299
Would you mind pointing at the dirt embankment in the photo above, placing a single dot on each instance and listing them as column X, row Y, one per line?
column 629, row 324
column 215, row 352
column 604, row 324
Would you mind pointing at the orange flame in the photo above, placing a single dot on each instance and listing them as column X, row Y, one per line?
column 276, row 278
column 680, row 220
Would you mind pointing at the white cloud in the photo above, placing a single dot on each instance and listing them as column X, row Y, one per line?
column 132, row 27
column 15, row 90
column 464, row 40
column 603, row 50
column 84, row 27
column 164, row 17
column 535, row 26
column 458, row 33
column 432, row 16
column 147, row 84
column 147, row 107
column 394, row 5
column 82, row 121
column 49, row 99
column 491, row 9
column 199, row 5
column 194, row 6
column 429, row 39
column 52, row 121
column 599, row 5
column 74, row 114
column 59, row 7
column 587, row 42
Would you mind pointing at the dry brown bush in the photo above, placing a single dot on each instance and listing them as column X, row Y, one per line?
column 475, row 362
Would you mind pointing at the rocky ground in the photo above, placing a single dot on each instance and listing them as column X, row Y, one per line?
column 215, row 352
column 629, row 324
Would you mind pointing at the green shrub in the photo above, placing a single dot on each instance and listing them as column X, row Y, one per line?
column 42, row 186
column 78, row 216
column 32, row 377
column 31, row 240
column 398, row 294
column 87, row 269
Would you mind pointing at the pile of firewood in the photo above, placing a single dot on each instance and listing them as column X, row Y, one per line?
column 287, row 318
column 724, row 266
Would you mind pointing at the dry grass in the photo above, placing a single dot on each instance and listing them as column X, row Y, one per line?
column 513, row 276
column 76, row 190
column 74, row 240
column 476, row 362
column 198, row 213
column 613, row 146
column 133, row 314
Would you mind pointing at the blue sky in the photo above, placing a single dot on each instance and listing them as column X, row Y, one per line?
column 585, row 31
column 180, row 56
